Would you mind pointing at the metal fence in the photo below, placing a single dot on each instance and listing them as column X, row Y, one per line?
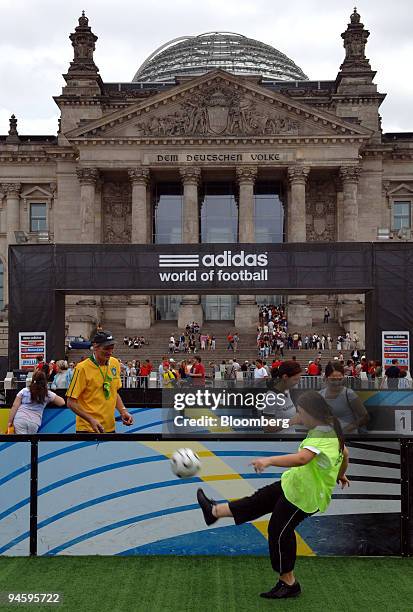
column 246, row 379
column 219, row 379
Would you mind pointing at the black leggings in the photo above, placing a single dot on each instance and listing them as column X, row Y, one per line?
column 284, row 519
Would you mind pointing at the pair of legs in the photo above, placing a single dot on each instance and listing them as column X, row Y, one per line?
column 22, row 425
column 284, row 519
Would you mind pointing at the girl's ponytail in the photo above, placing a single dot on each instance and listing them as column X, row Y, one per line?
column 339, row 432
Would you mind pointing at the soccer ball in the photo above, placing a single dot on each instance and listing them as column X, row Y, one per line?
column 185, row 463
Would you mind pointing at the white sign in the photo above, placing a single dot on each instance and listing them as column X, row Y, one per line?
column 396, row 345
column 214, row 267
column 31, row 346
column 403, row 421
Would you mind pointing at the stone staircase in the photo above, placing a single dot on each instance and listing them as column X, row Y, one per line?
column 158, row 338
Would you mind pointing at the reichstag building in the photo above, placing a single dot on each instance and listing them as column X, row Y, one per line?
column 218, row 138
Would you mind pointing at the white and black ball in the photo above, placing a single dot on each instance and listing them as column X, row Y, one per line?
column 185, row 463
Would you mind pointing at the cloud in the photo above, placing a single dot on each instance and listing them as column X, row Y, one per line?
column 35, row 49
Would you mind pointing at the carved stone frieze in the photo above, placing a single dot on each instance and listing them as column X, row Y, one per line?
column 117, row 212
column 298, row 174
column 139, row 175
column 246, row 174
column 12, row 190
column 190, row 174
column 350, row 174
column 321, row 210
column 215, row 110
column 87, row 176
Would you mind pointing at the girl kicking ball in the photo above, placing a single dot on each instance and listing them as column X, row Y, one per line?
column 320, row 462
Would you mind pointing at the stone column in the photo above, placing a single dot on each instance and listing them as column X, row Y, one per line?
column 299, row 309
column 3, row 210
column 246, row 176
column 246, row 313
column 139, row 178
column 12, row 191
column 191, row 176
column 351, row 315
column 349, row 176
column 297, row 175
column 138, row 311
column 190, row 309
column 87, row 179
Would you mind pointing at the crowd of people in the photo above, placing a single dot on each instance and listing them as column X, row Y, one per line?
column 273, row 335
column 103, row 370
column 193, row 340
column 135, row 341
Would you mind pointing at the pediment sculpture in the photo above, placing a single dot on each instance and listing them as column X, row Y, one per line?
column 216, row 111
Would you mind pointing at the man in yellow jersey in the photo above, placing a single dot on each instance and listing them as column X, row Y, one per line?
column 93, row 392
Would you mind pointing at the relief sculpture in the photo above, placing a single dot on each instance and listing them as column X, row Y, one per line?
column 217, row 111
column 321, row 211
column 117, row 210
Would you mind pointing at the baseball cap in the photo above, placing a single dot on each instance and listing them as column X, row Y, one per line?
column 104, row 338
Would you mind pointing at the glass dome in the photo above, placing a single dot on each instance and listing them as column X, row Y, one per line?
column 196, row 55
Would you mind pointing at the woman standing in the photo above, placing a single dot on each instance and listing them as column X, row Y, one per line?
column 63, row 377
column 344, row 403
column 306, row 488
column 283, row 378
column 27, row 410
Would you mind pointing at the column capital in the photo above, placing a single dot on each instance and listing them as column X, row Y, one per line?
column 298, row 174
column 190, row 175
column 139, row 175
column 246, row 174
column 350, row 174
column 11, row 189
column 87, row 176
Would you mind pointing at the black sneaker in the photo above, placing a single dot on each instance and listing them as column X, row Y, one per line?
column 206, row 507
column 283, row 590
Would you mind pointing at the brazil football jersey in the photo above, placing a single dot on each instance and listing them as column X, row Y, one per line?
column 87, row 389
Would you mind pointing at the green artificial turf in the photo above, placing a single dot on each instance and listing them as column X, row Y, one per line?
column 209, row 584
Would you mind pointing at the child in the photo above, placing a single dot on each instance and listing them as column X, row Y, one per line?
column 27, row 410
column 305, row 488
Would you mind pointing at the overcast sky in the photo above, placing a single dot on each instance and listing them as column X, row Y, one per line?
column 35, row 49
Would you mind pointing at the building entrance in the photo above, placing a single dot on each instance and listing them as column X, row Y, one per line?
column 219, row 307
column 167, row 307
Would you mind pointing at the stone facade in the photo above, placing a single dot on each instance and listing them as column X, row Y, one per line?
column 323, row 141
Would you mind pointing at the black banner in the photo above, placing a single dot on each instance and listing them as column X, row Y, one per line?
column 41, row 275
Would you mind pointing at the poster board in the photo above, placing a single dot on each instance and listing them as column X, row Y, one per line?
column 31, row 346
column 396, row 345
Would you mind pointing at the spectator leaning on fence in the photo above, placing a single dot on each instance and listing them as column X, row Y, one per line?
column 27, row 410
column 344, row 403
column 283, row 378
column 63, row 376
column 93, row 393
